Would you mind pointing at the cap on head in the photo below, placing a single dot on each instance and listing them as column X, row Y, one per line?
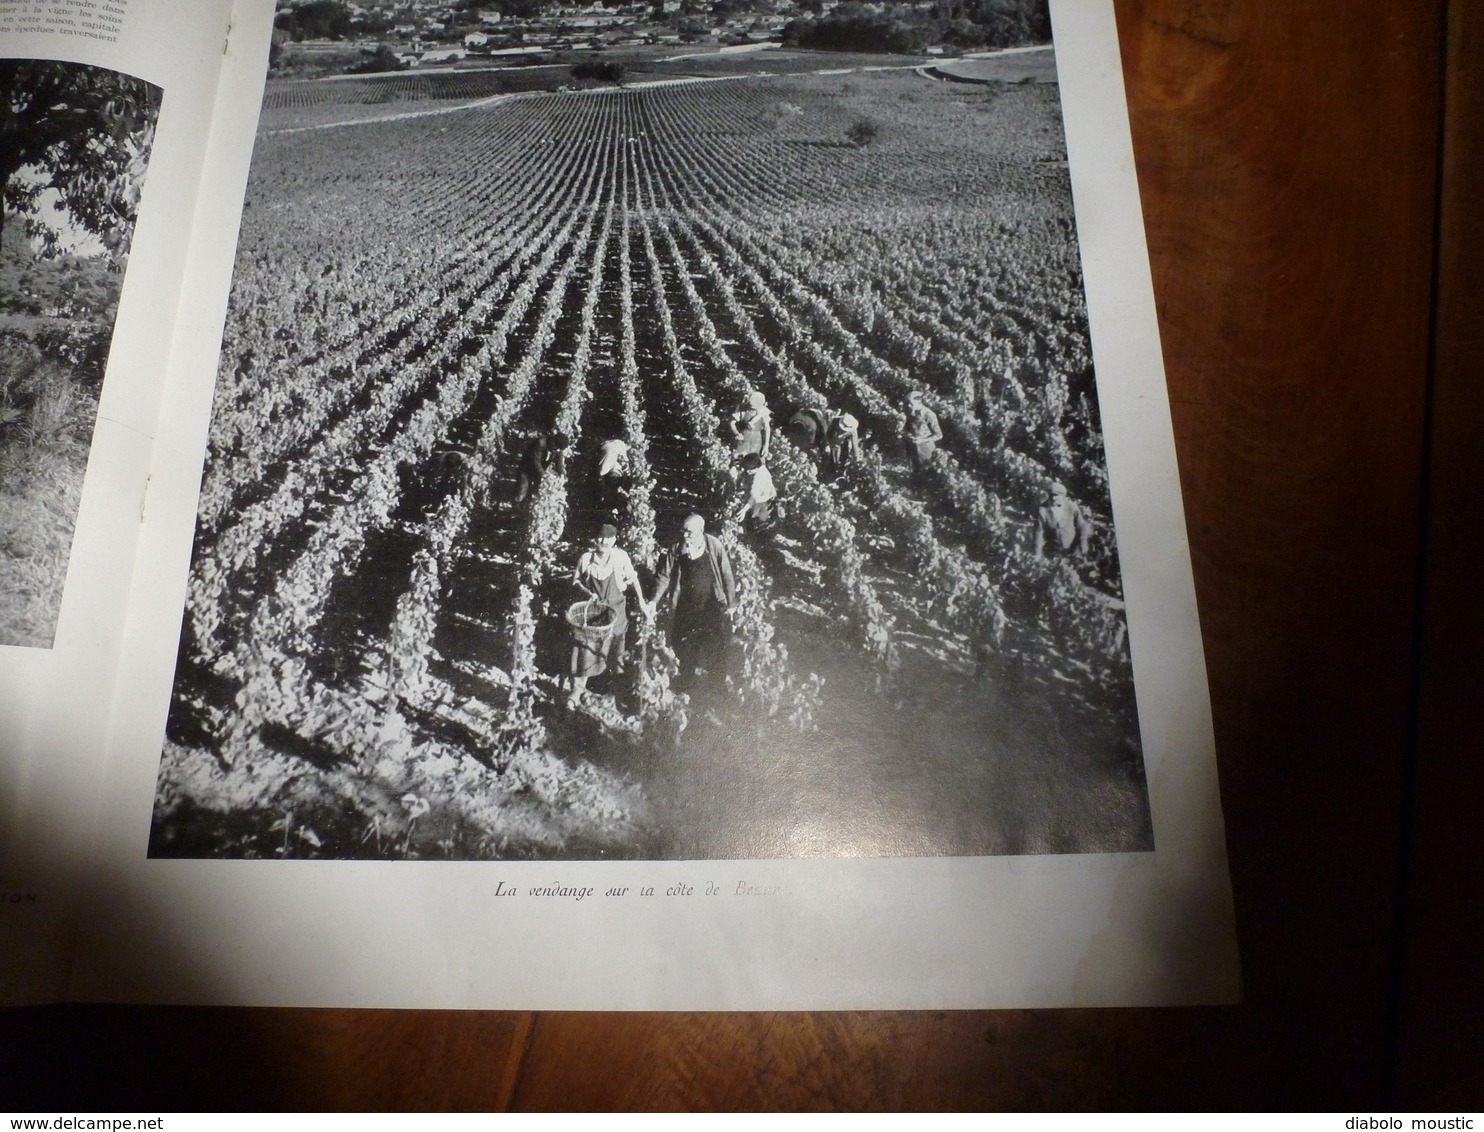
column 1057, row 488
column 849, row 422
column 757, row 400
column 915, row 395
column 607, row 530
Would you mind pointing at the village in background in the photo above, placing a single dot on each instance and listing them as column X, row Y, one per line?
column 315, row 38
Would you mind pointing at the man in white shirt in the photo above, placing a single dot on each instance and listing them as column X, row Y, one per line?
column 759, row 508
column 610, row 489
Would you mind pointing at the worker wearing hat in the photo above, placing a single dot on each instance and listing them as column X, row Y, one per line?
column 751, row 426
column 842, row 443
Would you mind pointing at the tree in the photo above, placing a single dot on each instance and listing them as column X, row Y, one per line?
column 84, row 132
column 380, row 61
column 856, row 27
column 1011, row 22
column 315, row 19
column 862, row 132
column 603, row 71
column 276, row 48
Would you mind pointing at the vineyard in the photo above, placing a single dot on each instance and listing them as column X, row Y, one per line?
column 475, row 82
column 373, row 650
column 411, row 87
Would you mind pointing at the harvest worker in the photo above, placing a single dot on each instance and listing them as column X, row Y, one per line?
column 610, row 489
column 921, row 431
column 698, row 588
column 751, row 426
column 809, row 426
column 547, row 449
column 604, row 573
column 1061, row 526
column 759, row 508
column 842, row 443
column 445, row 469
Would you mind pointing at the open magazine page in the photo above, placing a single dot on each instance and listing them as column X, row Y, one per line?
column 106, row 109
column 693, row 532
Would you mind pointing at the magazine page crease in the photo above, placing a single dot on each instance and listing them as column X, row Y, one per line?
column 156, row 596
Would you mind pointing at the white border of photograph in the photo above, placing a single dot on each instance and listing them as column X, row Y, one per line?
column 1042, row 931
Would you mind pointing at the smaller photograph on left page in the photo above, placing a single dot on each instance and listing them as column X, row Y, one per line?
column 75, row 143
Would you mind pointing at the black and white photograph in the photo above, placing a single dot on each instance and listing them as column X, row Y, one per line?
column 659, row 431
column 75, row 144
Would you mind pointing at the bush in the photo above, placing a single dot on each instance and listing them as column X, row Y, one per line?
column 377, row 62
column 80, row 344
column 907, row 30
column 594, row 70
column 862, row 132
column 857, row 29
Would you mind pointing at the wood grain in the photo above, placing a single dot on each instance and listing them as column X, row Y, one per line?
column 109, row 1058
column 1288, row 163
column 1286, row 157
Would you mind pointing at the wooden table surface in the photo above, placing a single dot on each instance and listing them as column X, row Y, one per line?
column 1310, row 175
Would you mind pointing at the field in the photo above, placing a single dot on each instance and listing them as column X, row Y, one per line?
column 297, row 103
column 373, row 649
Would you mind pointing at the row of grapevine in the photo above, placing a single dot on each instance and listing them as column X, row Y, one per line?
column 418, row 298
column 382, row 89
column 963, row 582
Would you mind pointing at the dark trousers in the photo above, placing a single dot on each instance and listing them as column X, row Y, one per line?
column 919, row 456
column 701, row 643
